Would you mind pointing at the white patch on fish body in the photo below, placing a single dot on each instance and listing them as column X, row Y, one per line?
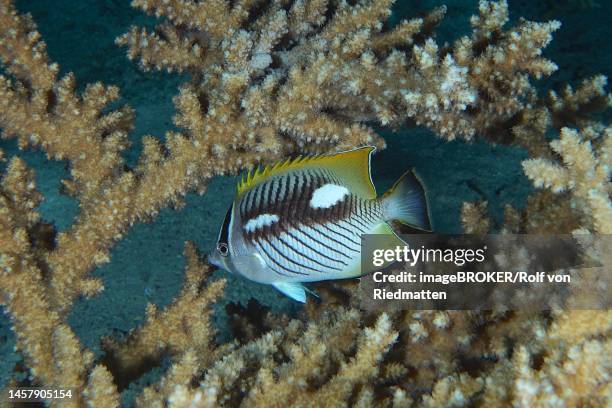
column 328, row 195
column 262, row 220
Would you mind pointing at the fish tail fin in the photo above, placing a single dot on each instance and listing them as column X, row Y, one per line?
column 406, row 202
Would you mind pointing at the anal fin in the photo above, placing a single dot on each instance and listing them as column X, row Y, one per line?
column 386, row 239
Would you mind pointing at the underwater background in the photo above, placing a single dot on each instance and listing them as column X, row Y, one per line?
column 147, row 265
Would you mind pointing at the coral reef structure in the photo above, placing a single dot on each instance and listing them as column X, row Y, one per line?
column 268, row 79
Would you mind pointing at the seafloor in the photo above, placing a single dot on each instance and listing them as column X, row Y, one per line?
column 147, row 265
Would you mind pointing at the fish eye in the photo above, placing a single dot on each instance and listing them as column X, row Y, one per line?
column 222, row 248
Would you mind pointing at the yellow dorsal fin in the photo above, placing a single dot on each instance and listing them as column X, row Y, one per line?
column 352, row 167
column 257, row 175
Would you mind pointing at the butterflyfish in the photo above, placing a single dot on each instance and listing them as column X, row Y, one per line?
column 301, row 220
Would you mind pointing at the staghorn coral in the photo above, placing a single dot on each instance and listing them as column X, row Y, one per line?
column 562, row 363
column 587, row 157
column 269, row 80
column 299, row 74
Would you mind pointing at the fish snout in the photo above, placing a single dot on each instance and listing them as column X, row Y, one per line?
column 215, row 259
column 220, row 261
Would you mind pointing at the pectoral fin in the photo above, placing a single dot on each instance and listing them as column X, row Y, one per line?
column 294, row 290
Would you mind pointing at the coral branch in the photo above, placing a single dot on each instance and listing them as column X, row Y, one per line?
column 587, row 159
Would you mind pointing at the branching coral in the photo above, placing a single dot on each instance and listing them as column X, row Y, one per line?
column 270, row 79
column 588, row 160
column 561, row 363
column 299, row 74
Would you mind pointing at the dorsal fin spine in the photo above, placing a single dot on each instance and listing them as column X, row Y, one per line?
column 259, row 174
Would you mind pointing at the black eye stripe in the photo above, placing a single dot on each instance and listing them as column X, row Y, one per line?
column 224, row 234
